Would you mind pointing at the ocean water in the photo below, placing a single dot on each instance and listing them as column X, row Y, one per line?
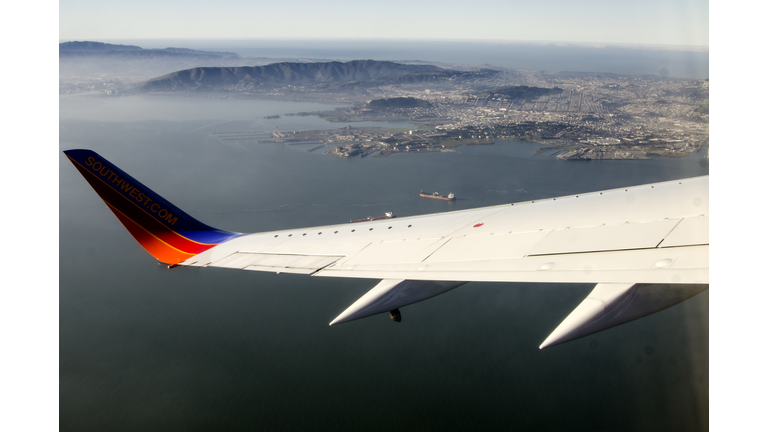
column 144, row 347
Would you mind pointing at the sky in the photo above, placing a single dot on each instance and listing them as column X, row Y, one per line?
column 646, row 22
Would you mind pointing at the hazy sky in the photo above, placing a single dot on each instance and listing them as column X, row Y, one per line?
column 668, row 22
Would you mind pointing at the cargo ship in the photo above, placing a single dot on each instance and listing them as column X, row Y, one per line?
column 387, row 215
column 436, row 195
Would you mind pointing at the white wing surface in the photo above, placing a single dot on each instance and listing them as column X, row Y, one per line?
column 656, row 233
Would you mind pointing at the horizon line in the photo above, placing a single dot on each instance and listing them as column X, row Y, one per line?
column 583, row 44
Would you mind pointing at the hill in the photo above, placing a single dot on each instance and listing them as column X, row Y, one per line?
column 89, row 46
column 354, row 73
column 88, row 49
column 398, row 102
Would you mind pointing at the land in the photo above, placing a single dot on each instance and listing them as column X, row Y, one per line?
column 580, row 119
column 377, row 141
column 575, row 115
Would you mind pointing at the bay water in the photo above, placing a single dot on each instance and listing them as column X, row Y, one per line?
column 147, row 348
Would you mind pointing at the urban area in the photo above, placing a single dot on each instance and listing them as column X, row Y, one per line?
column 596, row 117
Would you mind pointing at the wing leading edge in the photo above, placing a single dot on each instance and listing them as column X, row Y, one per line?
column 625, row 240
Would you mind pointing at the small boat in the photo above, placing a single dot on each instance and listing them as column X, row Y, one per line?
column 436, row 195
column 387, row 215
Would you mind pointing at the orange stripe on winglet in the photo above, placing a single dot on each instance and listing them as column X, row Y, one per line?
column 157, row 248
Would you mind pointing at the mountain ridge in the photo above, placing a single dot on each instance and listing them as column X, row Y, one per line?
column 101, row 49
column 295, row 73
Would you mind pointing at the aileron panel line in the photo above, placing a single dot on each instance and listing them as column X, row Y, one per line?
column 605, row 238
column 690, row 231
column 276, row 262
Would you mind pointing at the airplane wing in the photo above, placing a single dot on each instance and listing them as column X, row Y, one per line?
column 646, row 247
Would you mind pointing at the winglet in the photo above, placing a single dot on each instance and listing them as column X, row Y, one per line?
column 164, row 230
